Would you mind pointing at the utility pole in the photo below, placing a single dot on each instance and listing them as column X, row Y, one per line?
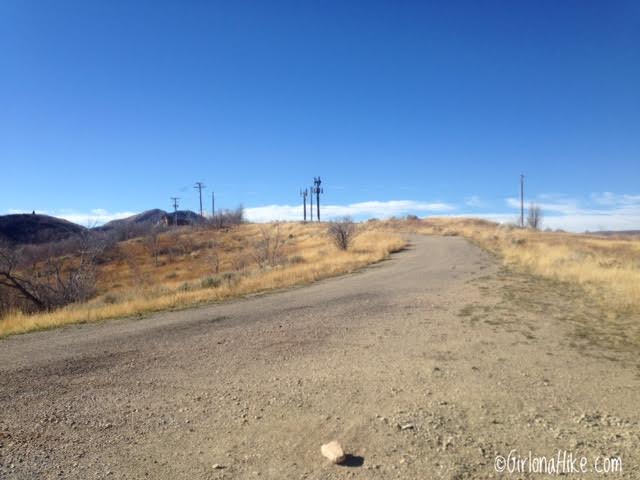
column 521, row 200
column 213, row 204
column 303, row 194
column 317, row 190
column 199, row 186
column 175, row 210
column 311, row 204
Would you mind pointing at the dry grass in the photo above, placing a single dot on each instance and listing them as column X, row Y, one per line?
column 191, row 267
column 134, row 282
column 607, row 268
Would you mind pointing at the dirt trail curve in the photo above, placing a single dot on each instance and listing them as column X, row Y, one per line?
column 423, row 366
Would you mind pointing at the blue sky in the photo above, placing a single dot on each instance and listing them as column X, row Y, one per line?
column 108, row 108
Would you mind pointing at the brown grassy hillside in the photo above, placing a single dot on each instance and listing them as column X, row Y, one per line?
column 187, row 266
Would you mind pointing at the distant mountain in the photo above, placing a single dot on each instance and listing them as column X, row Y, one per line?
column 184, row 217
column 154, row 217
column 36, row 228
column 610, row 233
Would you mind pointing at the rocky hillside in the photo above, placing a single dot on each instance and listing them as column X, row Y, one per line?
column 155, row 217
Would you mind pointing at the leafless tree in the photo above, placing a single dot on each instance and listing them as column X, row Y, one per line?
column 534, row 217
column 54, row 281
column 10, row 276
column 213, row 257
column 152, row 243
column 267, row 250
column 343, row 232
column 227, row 218
column 139, row 276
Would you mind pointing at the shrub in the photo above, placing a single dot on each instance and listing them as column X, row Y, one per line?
column 227, row 218
column 296, row 259
column 211, row 282
column 110, row 299
column 267, row 250
column 534, row 217
column 48, row 282
column 231, row 278
column 342, row 232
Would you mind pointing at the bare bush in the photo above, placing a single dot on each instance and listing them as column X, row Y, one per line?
column 227, row 218
column 213, row 257
column 534, row 217
column 52, row 282
column 241, row 261
column 152, row 243
column 343, row 232
column 31, row 253
column 138, row 275
column 267, row 250
column 128, row 230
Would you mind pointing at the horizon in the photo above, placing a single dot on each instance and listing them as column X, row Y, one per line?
column 291, row 213
column 110, row 110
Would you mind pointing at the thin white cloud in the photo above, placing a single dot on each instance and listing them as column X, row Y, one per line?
column 474, row 201
column 612, row 199
column 563, row 206
column 572, row 223
column 357, row 210
column 601, row 211
column 592, row 223
column 604, row 211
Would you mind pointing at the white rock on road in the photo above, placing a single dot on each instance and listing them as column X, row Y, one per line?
column 333, row 451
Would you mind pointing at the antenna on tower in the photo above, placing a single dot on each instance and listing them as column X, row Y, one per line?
column 317, row 189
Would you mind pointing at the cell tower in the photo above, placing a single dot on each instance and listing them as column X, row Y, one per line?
column 317, row 189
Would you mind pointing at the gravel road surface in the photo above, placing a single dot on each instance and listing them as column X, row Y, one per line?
column 428, row 365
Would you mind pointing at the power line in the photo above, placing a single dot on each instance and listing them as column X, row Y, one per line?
column 303, row 194
column 311, row 203
column 175, row 210
column 199, row 186
column 521, row 200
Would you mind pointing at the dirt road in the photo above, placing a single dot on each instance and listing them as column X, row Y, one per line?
column 424, row 366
